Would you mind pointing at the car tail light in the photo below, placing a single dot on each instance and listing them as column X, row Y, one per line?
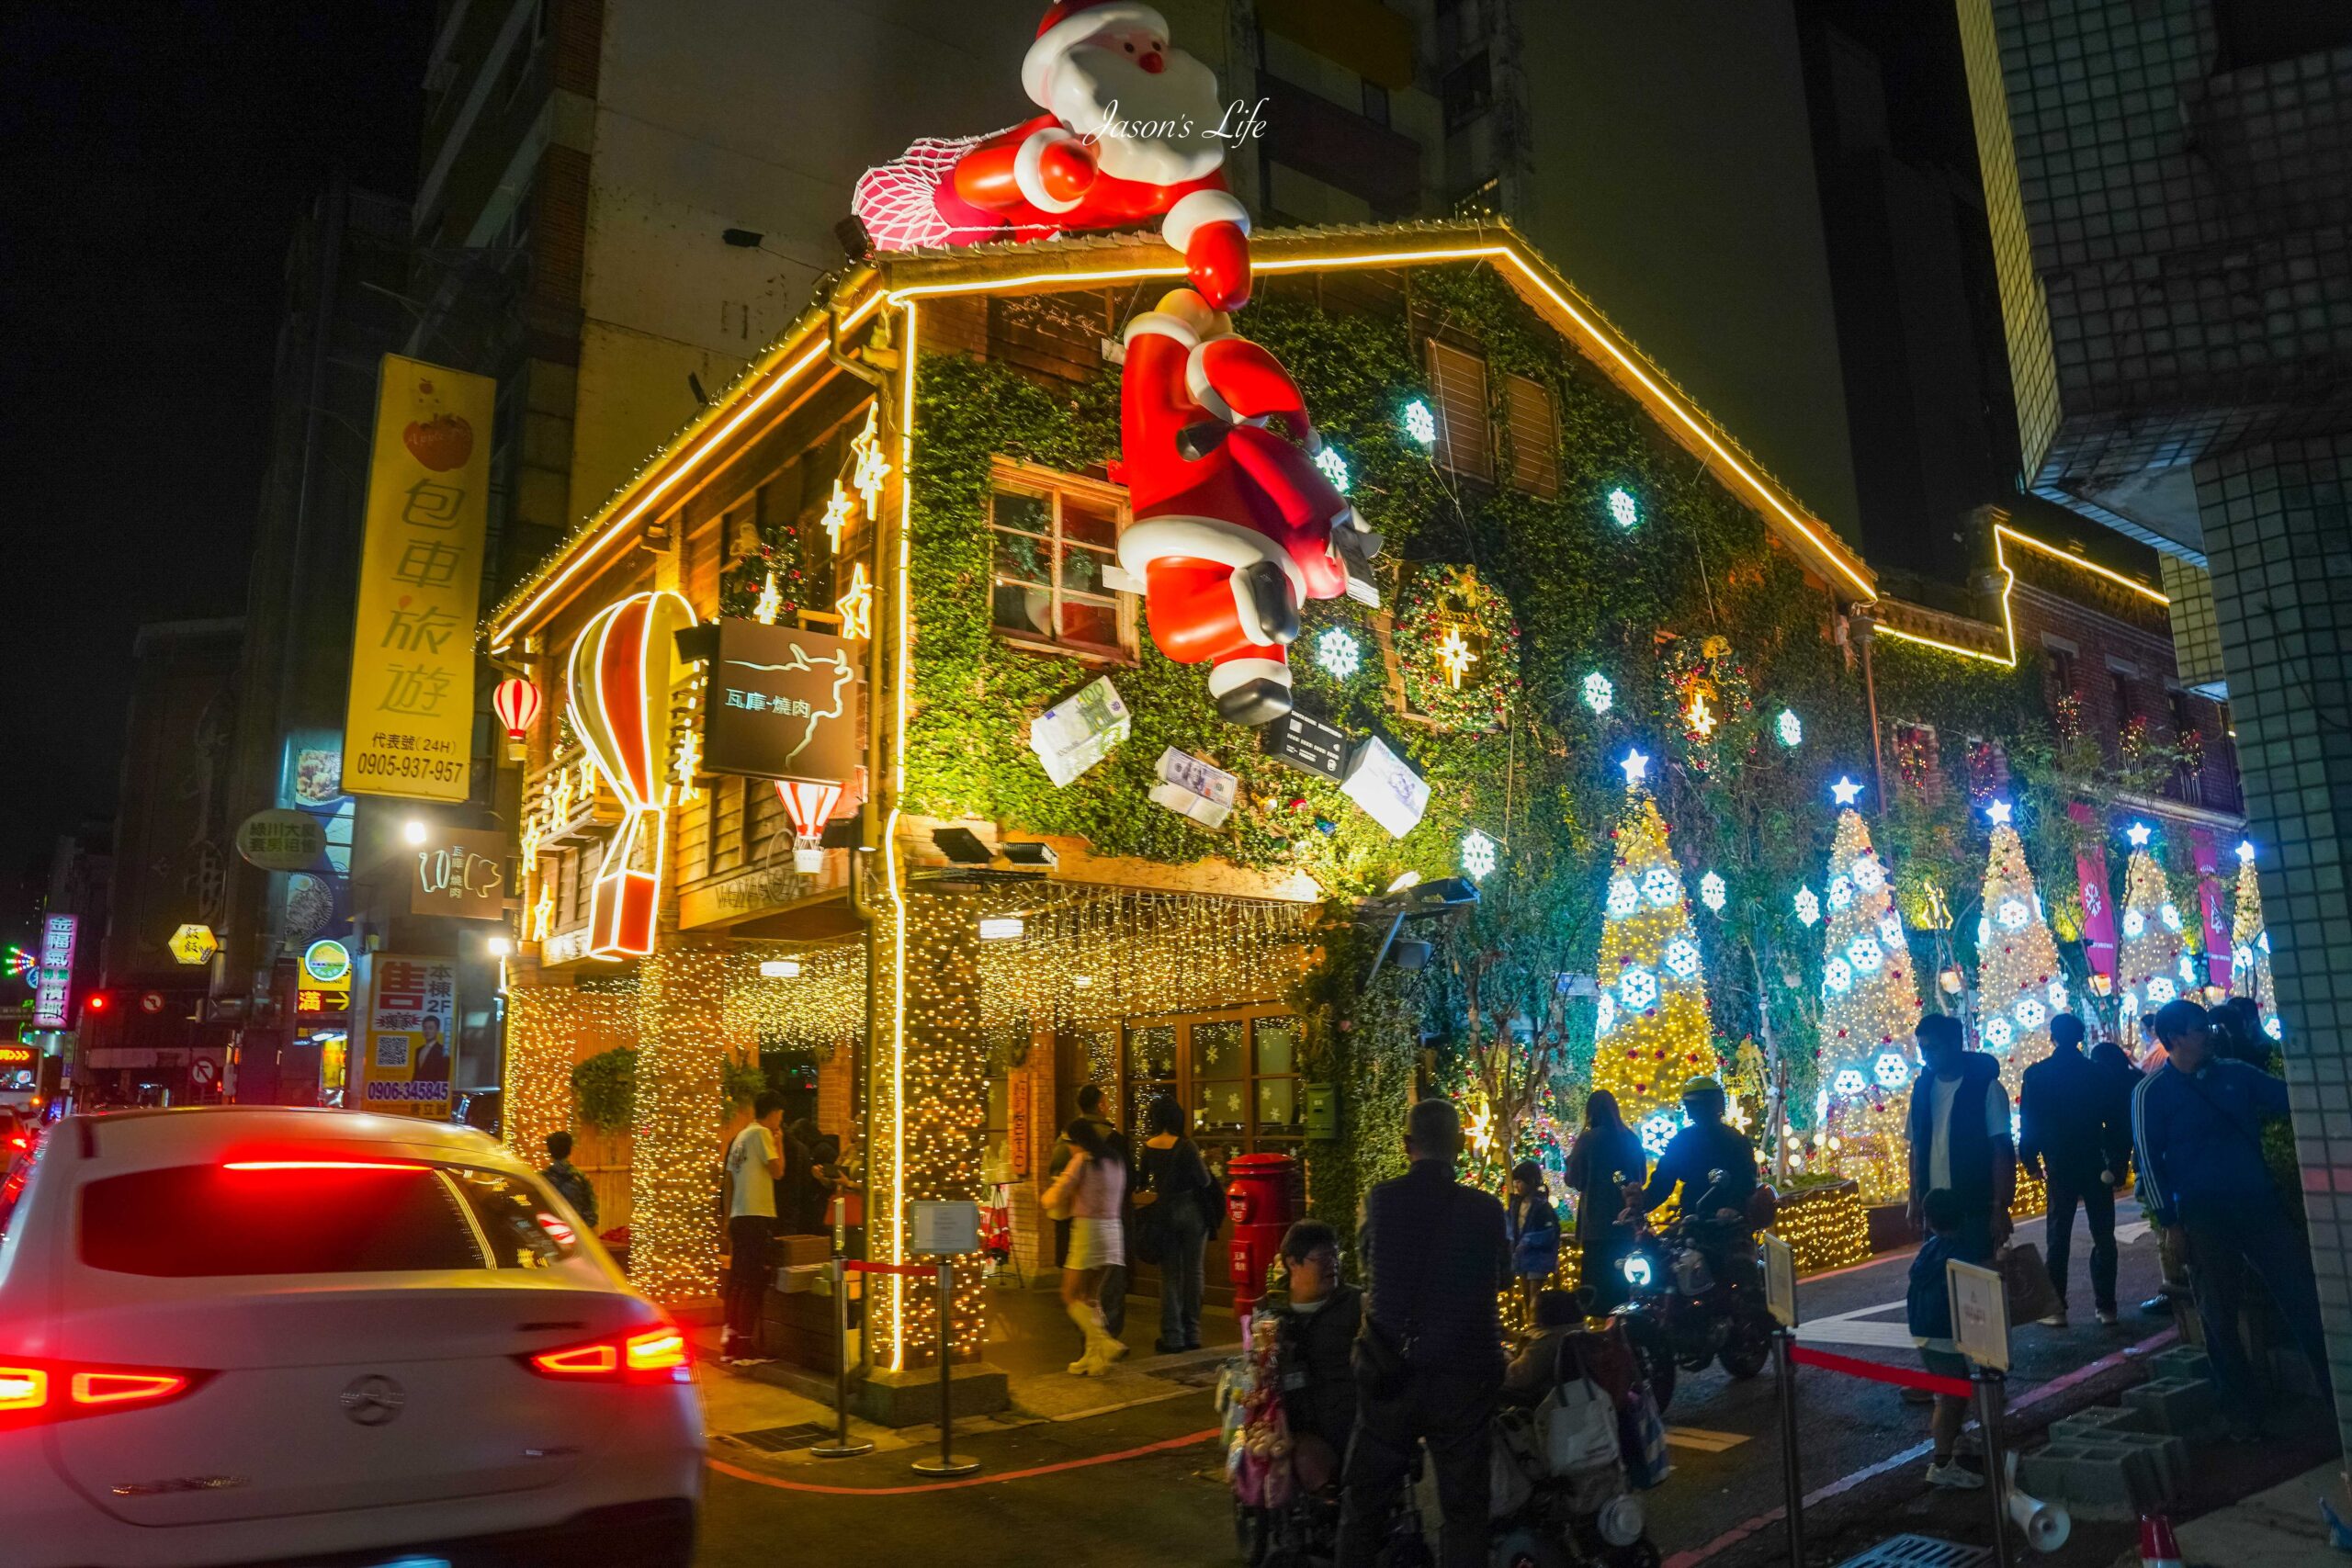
column 33, row 1391
column 649, row 1355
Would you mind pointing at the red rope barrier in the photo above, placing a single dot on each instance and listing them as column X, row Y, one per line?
column 917, row 1271
column 1880, row 1371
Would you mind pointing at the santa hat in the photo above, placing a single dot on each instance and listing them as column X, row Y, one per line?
column 1067, row 24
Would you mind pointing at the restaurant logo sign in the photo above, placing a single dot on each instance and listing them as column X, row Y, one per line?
column 783, row 703
column 410, row 726
column 464, row 875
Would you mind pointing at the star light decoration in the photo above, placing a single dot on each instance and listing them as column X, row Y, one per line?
column 1789, row 727
column 1477, row 854
column 2245, row 851
column 2138, row 833
column 1700, row 718
column 1846, row 791
column 839, row 510
column 855, row 606
column 1338, row 651
column 1712, row 892
column 868, row 467
column 1635, row 766
column 1622, row 508
column 769, row 604
column 1334, row 466
column 1999, row 812
column 1598, row 694
column 1419, row 423
column 1453, row 652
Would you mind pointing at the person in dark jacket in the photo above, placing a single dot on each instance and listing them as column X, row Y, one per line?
column 2197, row 1125
column 1606, row 1158
column 566, row 1178
column 1534, row 1229
column 1715, row 1166
column 2237, row 1034
column 1430, row 1361
column 1176, row 1188
column 2073, row 1132
column 1960, row 1135
column 1317, row 1317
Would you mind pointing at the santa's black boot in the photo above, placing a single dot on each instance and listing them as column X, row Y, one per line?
column 1250, row 691
column 1268, row 592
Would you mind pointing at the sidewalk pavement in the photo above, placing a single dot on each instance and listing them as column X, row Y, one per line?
column 2277, row 1529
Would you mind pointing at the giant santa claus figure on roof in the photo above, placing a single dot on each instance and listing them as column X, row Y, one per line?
column 1234, row 525
column 1128, row 135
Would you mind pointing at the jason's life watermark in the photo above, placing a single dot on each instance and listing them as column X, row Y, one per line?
column 1243, row 121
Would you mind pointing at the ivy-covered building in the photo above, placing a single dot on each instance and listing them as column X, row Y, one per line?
column 1030, row 881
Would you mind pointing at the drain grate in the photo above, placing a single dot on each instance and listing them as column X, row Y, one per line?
column 1919, row 1551
column 783, row 1440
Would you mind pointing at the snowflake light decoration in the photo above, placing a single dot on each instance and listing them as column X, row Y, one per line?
column 2134, row 923
column 2241, row 957
column 1998, row 1034
column 2013, row 914
column 1869, row 875
column 2273, row 1028
column 1623, row 897
column 2056, row 992
column 1808, row 906
column 1477, row 854
column 2263, row 942
column 1337, row 652
column 1890, row 1069
column 1660, row 885
column 2188, row 970
column 1622, row 507
column 1890, row 931
column 1848, row 1082
column 1637, row 988
column 1598, row 693
column 2169, row 913
column 1865, row 954
column 1419, row 423
column 1712, row 892
column 1605, row 1016
column 2161, row 990
column 1334, row 466
column 1838, row 976
column 1841, row 893
column 1790, row 727
column 2030, row 1014
column 1657, row 1130
column 1681, row 958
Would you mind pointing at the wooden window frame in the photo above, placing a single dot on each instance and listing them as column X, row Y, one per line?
column 1251, row 1139
column 1055, row 486
column 1456, row 451
column 1534, row 467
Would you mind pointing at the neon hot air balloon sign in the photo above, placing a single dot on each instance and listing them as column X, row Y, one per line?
column 622, row 670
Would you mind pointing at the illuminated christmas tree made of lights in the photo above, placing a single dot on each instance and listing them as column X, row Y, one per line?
column 2149, row 965
column 2250, row 946
column 1869, row 1005
column 1652, row 1033
column 2019, row 983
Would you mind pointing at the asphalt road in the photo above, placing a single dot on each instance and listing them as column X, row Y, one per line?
column 1168, row 1504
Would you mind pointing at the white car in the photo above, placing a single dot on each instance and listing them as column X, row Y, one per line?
column 254, row 1335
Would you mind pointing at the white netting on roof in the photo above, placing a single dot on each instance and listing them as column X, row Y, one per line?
column 898, row 202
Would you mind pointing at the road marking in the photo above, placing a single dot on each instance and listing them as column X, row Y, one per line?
column 1832, row 1331
column 2126, row 1235
column 783, row 1485
column 1703, row 1440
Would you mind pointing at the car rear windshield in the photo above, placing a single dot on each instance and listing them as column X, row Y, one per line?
column 191, row 1221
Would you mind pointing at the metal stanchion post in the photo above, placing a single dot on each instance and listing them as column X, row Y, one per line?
column 946, row 1464
column 842, row 1446
column 1991, row 1399
column 1791, row 1480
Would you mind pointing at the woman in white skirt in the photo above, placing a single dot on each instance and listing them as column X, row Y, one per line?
column 1090, row 1191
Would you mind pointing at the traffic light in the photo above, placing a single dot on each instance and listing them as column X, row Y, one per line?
column 97, row 1001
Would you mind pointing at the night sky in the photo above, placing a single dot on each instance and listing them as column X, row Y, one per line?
column 159, row 152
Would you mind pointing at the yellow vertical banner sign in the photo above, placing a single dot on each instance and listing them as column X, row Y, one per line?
column 408, row 726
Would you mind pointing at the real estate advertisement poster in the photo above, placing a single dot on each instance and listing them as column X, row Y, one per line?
column 407, row 1045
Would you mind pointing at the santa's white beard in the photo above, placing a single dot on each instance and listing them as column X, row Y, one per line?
column 1153, row 128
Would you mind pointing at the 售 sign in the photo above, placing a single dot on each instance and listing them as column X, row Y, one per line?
column 406, row 1048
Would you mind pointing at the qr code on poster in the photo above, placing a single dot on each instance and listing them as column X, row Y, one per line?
column 391, row 1050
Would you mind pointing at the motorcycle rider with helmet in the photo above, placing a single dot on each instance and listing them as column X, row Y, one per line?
column 1715, row 1166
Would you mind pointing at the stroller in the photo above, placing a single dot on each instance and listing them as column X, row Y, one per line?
column 1562, row 1496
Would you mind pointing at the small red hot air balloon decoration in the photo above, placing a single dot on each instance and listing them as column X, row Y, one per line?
column 622, row 670
column 516, row 703
column 809, row 805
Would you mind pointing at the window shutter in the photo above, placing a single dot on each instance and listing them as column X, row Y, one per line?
column 1534, row 436
column 1459, row 380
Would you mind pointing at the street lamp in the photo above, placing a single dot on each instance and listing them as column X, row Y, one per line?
column 500, row 946
column 415, row 831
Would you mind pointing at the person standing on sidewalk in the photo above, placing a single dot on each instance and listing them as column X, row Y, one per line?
column 1113, row 1293
column 1960, row 1141
column 1176, row 1191
column 1091, row 1191
column 1534, row 1230
column 754, row 1163
column 2197, row 1125
column 1606, row 1158
column 566, row 1178
column 1928, row 1312
column 2073, row 1135
column 1430, row 1359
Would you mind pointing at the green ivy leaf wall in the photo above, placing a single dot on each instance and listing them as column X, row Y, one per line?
column 1585, row 595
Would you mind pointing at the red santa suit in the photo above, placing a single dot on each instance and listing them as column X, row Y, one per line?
column 1128, row 136
column 1233, row 522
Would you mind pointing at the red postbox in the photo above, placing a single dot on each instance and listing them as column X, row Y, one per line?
column 1262, row 1198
